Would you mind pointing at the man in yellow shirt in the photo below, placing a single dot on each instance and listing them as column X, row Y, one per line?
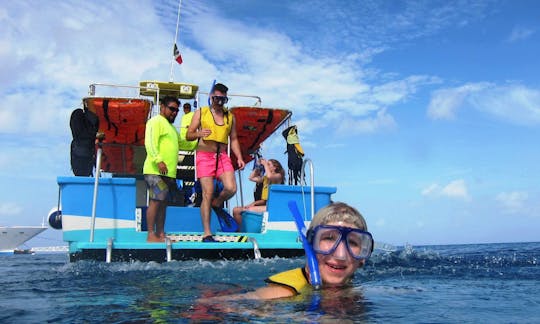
column 161, row 143
column 186, row 145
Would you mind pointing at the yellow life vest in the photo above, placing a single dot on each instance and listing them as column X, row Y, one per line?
column 264, row 192
column 295, row 279
column 220, row 133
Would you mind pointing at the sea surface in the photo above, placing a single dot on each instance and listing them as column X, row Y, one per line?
column 483, row 283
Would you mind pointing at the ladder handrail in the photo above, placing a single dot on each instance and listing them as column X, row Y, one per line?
column 312, row 185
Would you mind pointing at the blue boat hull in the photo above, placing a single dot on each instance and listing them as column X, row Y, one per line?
column 120, row 229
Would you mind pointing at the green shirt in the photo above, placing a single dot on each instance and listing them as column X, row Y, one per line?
column 161, row 143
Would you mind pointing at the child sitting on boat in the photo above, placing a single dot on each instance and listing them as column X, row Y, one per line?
column 273, row 174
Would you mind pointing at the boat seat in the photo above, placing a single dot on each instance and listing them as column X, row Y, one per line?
column 252, row 222
column 279, row 195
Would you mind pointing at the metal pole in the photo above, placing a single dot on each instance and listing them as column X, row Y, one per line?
column 175, row 37
column 312, row 184
column 240, row 186
column 100, row 137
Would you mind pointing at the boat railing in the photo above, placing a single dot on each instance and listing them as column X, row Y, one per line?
column 92, row 88
column 312, row 186
column 96, row 184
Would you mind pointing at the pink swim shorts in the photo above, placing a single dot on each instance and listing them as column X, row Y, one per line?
column 206, row 164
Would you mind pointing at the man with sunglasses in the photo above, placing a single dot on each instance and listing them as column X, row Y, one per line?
column 161, row 143
column 213, row 126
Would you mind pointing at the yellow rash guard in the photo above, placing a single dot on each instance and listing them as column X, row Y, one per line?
column 161, row 143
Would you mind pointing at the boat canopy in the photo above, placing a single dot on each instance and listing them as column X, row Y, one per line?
column 163, row 88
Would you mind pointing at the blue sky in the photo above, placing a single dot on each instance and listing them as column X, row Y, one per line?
column 424, row 114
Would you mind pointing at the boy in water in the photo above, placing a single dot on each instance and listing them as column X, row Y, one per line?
column 339, row 237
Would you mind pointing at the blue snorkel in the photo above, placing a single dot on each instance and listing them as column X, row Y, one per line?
column 313, row 265
column 210, row 92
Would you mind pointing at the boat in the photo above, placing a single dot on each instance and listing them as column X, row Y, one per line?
column 24, row 251
column 12, row 237
column 102, row 217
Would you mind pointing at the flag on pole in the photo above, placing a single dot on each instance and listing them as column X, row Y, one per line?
column 177, row 55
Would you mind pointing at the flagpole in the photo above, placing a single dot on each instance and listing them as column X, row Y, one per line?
column 175, row 38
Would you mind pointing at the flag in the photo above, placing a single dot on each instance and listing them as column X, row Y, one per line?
column 177, row 55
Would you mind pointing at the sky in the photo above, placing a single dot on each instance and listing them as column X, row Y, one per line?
column 425, row 115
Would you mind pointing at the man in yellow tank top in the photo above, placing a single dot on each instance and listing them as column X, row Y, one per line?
column 212, row 126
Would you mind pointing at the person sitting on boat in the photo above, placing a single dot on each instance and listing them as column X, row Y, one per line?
column 212, row 126
column 161, row 143
column 186, row 145
column 341, row 243
column 273, row 174
column 258, row 170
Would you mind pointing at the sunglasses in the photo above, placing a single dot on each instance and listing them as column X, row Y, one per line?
column 173, row 109
column 221, row 100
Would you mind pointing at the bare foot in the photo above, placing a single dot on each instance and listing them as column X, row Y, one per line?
column 154, row 238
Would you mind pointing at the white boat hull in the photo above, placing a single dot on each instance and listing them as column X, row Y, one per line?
column 14, row 236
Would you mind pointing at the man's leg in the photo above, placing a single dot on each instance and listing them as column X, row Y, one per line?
column 151, row 218
column 237, row 214
column 207, row 185
column 160, row 220
column 155, row 217
column 229, row 188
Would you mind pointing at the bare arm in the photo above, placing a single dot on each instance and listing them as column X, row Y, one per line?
column 268, row 292
column 255, row 176
column 270, row 171
column 193, row 131
column 235, row 146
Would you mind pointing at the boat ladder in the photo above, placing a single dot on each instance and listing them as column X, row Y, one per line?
column 312, row 186
column 168, row 249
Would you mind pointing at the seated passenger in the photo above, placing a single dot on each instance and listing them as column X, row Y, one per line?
column 273, row 174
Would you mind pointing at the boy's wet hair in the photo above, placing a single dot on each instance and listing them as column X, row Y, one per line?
column 339, row 212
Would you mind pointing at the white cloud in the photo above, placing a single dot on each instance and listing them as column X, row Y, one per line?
column 513, row 202
column 380, row 222
column 445, row 102
column 432, row 189
column 10, row 209
column 456, row 189
column 520, row 33
column 512, row 103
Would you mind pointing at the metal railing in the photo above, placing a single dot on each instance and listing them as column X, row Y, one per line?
column 312, row 186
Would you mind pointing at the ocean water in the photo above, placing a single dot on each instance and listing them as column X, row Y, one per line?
column 487, row 283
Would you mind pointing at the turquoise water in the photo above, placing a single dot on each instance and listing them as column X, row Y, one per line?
column 488, row 283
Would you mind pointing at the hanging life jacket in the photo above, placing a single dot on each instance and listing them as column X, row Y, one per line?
column 84, row 125
column 295, row 154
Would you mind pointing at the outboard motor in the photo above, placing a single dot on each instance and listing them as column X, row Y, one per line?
column 55, row 218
